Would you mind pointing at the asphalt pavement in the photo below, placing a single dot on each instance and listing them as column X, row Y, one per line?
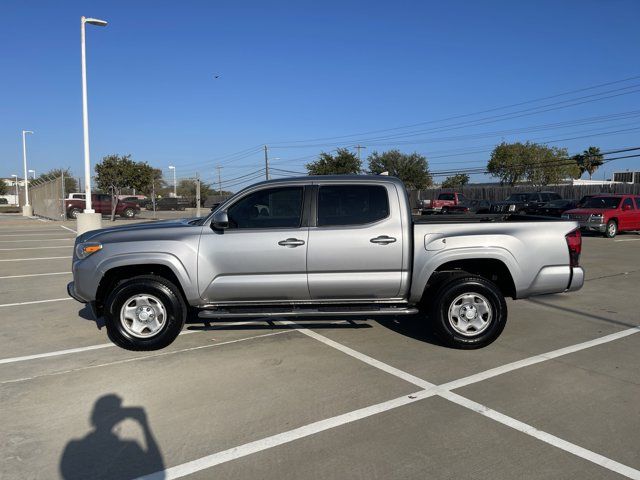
column 556, row 396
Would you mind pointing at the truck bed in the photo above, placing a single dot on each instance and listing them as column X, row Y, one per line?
column 485, row 218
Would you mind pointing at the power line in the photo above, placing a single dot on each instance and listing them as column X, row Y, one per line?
column 466, row 115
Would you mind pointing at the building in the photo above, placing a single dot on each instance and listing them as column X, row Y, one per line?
column 626, row 177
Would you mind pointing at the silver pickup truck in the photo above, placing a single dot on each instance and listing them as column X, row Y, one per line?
column 330, row 246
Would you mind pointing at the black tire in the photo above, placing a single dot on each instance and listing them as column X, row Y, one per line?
column 489, row 296
column 612, row 229
column 128, row 213
column 160, row 288
column 73, row 213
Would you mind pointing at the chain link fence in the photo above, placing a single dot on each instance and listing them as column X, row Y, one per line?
column 47, row 198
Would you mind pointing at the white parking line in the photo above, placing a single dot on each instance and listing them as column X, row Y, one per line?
column 443, row 391
column 628, row 240
column 34, row 275
column 548, row 438
column 30, row 259
column 33, row 248
column 67, row 228
column 107, row 345
column 40, row 240
column 240, row 451
column 134, row 359
column 35, row 301
column 30, row 234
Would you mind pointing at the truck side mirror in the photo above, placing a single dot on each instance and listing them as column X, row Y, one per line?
column 626, row 207
column 220, row 220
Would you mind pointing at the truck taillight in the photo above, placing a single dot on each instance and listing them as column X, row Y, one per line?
column 574, row 242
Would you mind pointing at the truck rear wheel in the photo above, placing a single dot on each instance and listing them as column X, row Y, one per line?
column 73, row 212
column 144, row 313
column 468, row 312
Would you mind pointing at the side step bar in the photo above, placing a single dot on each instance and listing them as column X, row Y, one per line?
column 305, row 312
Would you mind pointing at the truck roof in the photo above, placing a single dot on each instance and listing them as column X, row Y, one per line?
column 345, row 178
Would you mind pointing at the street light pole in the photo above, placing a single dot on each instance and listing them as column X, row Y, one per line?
column 26, row 211
column 34, row 174
column 175, row 192
column 97, row 221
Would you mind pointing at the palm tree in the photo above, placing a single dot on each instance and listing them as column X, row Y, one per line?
column 590, row 160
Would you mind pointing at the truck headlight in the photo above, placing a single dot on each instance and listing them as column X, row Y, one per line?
column 84, row 249
column 596, row 218
column 565, row 216
column 512, row 208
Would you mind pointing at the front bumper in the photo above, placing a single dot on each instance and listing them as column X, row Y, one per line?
column 593, row 226
column 71, row 291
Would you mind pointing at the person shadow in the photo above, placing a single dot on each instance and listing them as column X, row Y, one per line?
column 102, row 454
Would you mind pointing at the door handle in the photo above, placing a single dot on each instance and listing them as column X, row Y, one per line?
column 383, row 240
column 291, row 243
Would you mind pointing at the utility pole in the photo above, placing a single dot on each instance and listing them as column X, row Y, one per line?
column 266, row 162
column 358, row 148
column 219, row 180
column 62, row 176
column 197, row 195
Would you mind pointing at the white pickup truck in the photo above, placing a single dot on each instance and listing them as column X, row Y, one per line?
column 330, row 246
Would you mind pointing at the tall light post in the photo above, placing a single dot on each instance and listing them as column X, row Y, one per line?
column 34, row 174
column 15, row 178
column 175, row 191
column 90, row 220
column 27, row 211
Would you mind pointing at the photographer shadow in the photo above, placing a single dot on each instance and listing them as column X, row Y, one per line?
column 102, row 454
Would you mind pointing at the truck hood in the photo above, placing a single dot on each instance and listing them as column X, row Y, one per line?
column 138, row 229
column 586, row 211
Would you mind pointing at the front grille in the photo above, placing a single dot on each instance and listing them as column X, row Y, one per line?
column 578, row 217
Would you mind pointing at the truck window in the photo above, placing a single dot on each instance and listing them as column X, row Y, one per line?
column 627, row 201
column 638, row 203
column 446, row 196
column 268, row 208
column 351, row 204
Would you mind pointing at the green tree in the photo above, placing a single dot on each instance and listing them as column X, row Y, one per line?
column 3, row 187
column 589, row 160
column 342, row 163
column 412, row 169
column 532, row 163
column 186, row 188
column 506, row 162
column 456, row 181
column 117, row 172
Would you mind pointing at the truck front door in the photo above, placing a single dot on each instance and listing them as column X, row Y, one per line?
column 355, row 243
column 262, row 256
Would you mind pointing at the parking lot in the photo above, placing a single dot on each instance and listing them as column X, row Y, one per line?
column 556, row 396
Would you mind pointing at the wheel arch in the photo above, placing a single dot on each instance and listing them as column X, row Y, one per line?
column 117, row 272
column 495, row 270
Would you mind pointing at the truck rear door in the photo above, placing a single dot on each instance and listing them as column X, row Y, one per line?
column 355, row 242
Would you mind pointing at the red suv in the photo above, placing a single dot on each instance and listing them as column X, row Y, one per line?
column 608, row 214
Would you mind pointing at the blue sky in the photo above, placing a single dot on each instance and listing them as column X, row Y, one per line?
column 293, row 72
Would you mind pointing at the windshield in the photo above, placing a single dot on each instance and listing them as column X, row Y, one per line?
column 521, row 197
column 602, row 202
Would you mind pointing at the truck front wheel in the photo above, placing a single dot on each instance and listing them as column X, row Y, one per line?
column 468, row 312
column 144, row 313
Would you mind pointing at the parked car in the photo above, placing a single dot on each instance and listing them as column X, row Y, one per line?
column 444, row 199
column 554, row 208
column 138, row 200
column 520, row 202
column 331, row 246
column 4, row 201
column 168, row 203
column 608, row 214
column 101, row 203
column 468, row 206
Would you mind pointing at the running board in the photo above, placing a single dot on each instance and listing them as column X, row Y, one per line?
column 305, row 312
